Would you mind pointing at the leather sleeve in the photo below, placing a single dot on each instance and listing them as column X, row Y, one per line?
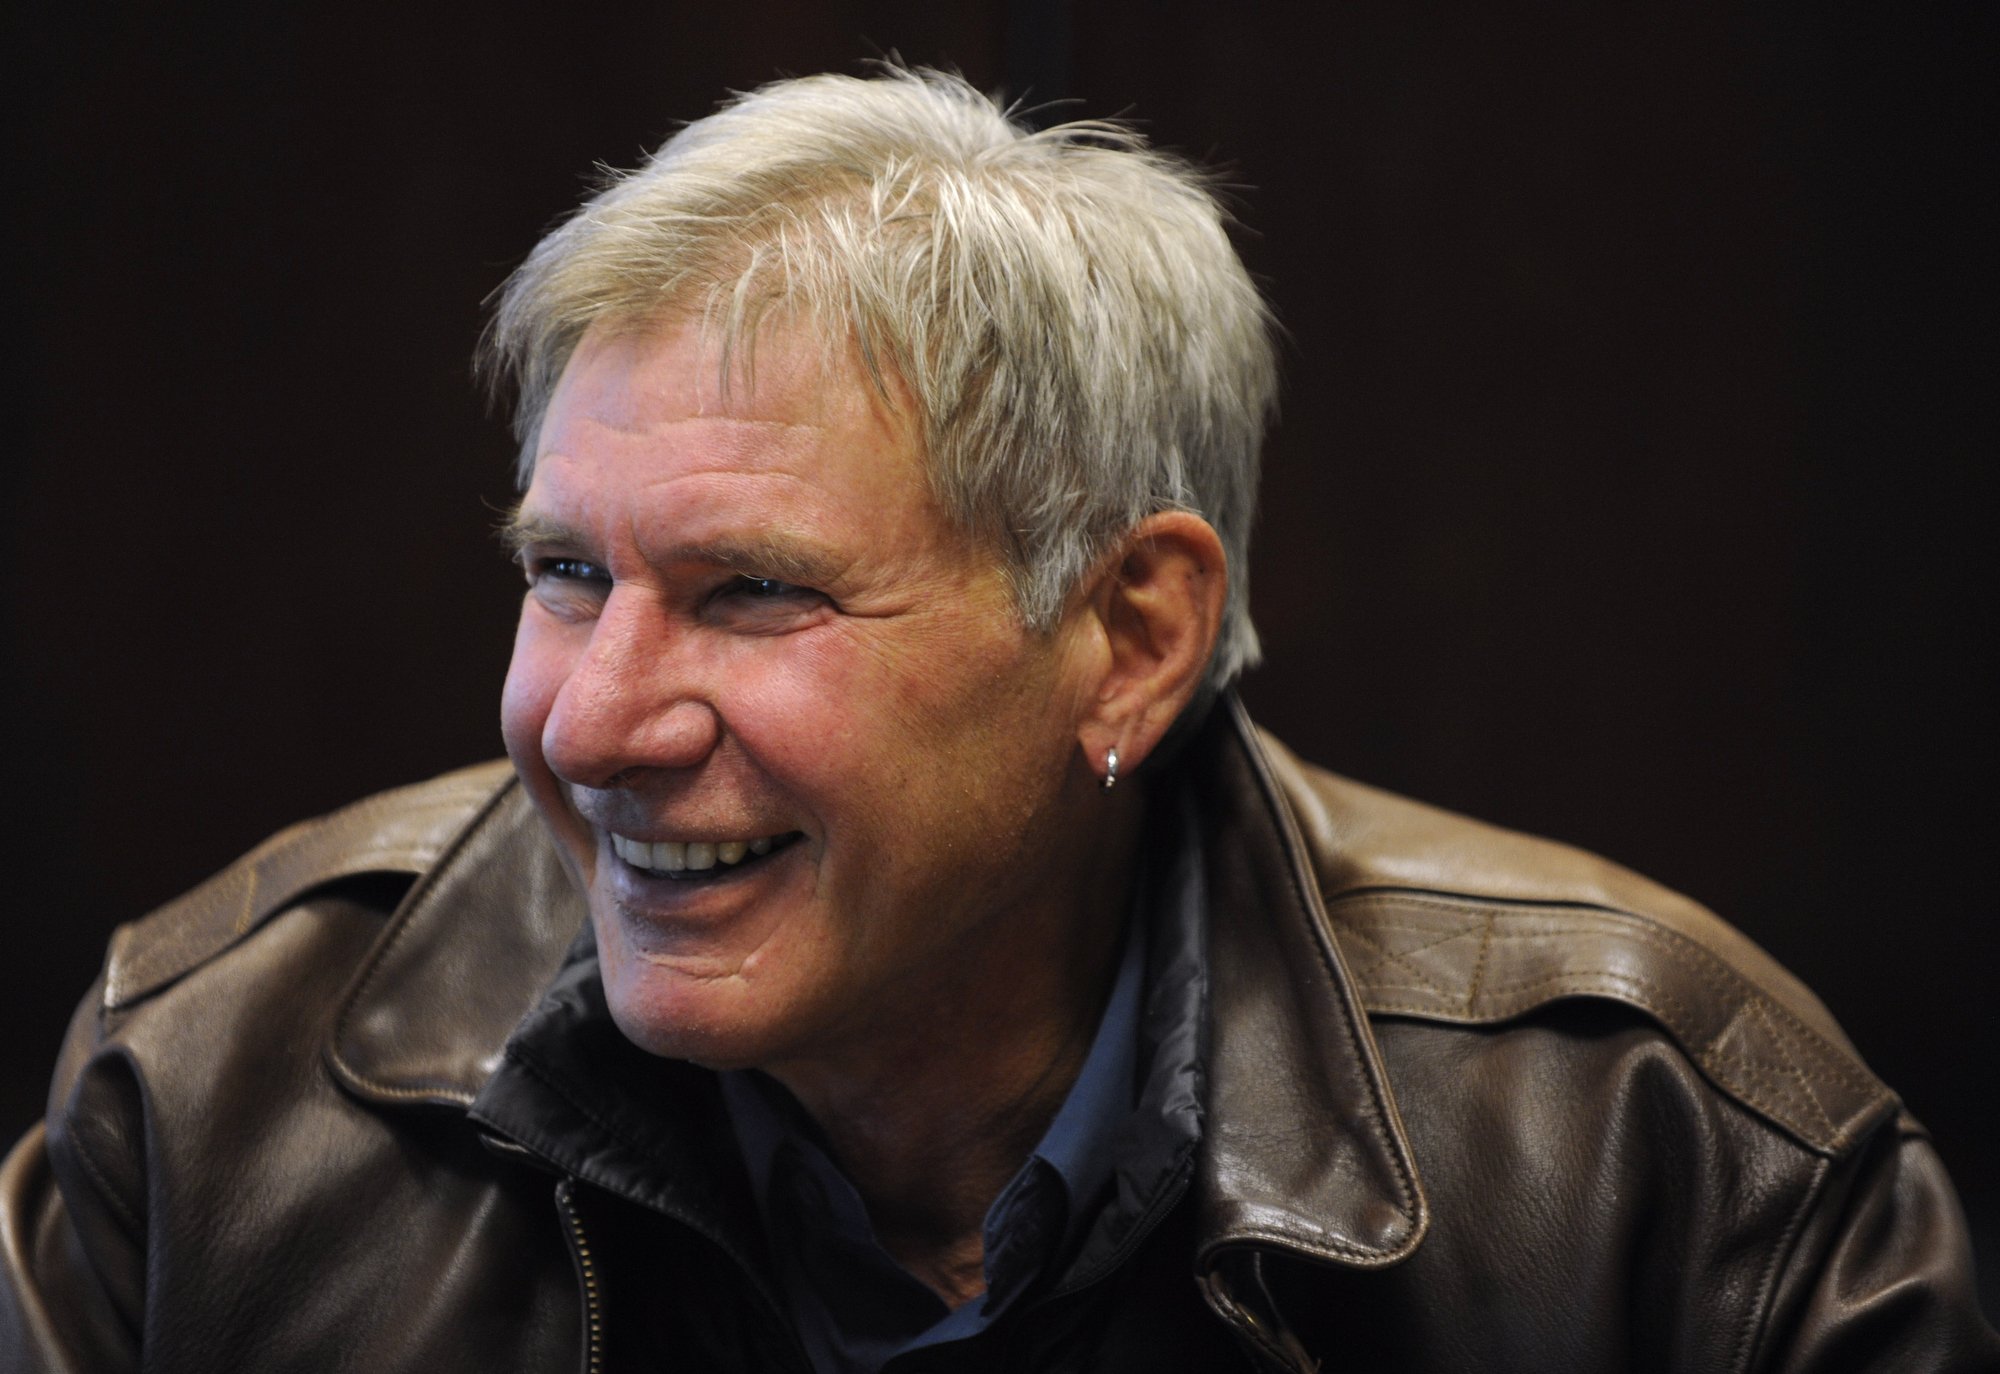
column 72, row 1241
column 56, row 1310
column 1881, row 1277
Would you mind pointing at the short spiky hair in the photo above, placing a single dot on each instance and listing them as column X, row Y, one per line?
column 1064, row 308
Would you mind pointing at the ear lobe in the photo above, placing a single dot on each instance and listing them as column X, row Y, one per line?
column 1158, row 598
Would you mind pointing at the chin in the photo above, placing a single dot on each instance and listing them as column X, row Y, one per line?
column 702, row 1021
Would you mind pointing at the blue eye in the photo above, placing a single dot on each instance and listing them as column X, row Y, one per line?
column 765, row 605
column 568, row 570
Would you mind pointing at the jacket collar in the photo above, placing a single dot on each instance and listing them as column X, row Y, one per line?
column 1303, row 1147
column 466, row 956
column 427, row 1017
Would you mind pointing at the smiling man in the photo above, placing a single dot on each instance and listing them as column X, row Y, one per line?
column 818, row 783
column 811, row 772
column 889, row 946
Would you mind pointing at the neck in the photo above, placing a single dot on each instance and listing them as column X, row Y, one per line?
column 941, row 1112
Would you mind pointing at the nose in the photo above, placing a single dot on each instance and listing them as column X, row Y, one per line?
column 627, row 703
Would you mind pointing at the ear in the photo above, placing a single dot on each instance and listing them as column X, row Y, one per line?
column 1157, row 598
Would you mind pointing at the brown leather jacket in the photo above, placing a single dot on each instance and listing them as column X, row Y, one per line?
column 1474, row 1102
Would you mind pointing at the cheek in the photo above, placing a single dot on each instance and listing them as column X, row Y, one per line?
column 801, row 707
column 877, row 728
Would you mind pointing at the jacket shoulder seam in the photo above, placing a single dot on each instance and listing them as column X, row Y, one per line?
column 1475, row 961
column 397, row 832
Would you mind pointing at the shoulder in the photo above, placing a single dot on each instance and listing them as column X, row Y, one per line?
column 401, row 832
column 1444, row 919
column 207, row 1014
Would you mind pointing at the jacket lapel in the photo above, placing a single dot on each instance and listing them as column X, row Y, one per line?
column 466, row 957
column 1303, row 1148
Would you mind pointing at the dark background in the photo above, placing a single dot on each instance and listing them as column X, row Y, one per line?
column 1627, row 489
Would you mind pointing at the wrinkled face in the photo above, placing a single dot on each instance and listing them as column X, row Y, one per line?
column 780, row 716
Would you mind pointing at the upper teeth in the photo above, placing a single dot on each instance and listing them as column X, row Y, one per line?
column 671, row 856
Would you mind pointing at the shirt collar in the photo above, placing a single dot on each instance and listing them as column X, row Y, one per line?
column 1075, row 1150
column 1080, row 1143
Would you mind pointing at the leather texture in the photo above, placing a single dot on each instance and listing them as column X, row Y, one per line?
column 1475, row 1101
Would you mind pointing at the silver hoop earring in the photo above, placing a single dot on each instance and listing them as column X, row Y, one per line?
column 1110, row 768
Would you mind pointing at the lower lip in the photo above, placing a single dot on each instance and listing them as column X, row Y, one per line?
column 685, row 883
column 673, row 918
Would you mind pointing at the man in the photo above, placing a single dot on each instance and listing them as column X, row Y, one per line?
column 890, row 946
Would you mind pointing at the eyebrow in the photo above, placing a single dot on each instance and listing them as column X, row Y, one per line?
column 520, row 530
column 764, row 556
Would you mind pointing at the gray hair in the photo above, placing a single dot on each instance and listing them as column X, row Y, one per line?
column 1081, row 342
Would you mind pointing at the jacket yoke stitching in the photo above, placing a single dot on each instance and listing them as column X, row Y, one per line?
column 397, row 858
column 1663, row 1004
column 1673, row 944
column 1679, row 949
column 1479, row 965
column 1791, row 1064
column 1709, row 1052
column 1402, row 958
column 145, row 956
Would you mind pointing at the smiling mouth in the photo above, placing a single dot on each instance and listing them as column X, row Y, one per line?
column 697, row 860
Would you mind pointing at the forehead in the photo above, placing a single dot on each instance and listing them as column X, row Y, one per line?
column 629, row 378
column 652, row 430
column 675, row 393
